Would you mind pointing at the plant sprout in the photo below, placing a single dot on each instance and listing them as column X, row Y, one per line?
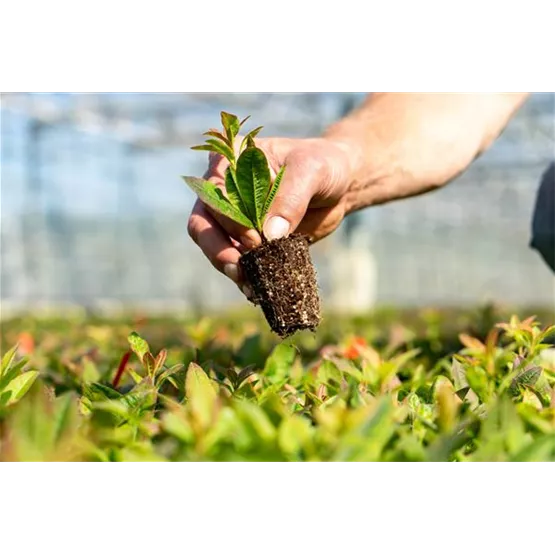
column 249, row 188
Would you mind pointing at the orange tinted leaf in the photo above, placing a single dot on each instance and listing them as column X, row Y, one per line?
column 471, row 342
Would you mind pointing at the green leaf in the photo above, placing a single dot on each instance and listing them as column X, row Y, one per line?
column 168, row 373
column 278, row 365
column 272, row 193
column 248, row 139
column 234, row 195
column 99, row 392
column 458, row 374
column 20, row 385
column 367, row 440
column 211, row 195
column 217, row 135
column 201, row 394
column 114, row 407
column 141, row 398
column 213, row 145
column 329, row 375
column 177, row 426
column 541, row 450
column 138, row 345
column 4, row 398
column 527, row 377
column 160, row 360
column 7, row 360
column 294, row 433
column 231, row 125
column 137, row 378
column 245, row 373
column 257, row 423
column 149, row 363
column 90, row 371
column 11, row 372
column 513, row 426
column 253, row 181
column 65, row 416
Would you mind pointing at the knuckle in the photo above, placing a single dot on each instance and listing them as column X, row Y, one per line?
column 313, row 167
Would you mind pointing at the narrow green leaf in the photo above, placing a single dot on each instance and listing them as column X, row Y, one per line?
column 272, row 193
column 11, row 372
column 234, row 194
column 245, row 373
column 7, row 360
column 160, row 360
column 149, row 363
column 99, row 392
column 168, row 373
column 244, row 121
column 20, row 385
column 137, row 378
column 249, row 137
column 231, row 125
column 65, row 416
column 138, row 345
column 212, row 196
column 217, row 135
column 253, row 181
column 213, row 145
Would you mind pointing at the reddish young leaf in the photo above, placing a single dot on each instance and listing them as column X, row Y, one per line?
column 121, row 369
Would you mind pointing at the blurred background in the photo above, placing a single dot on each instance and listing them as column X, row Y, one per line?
column 94, row 212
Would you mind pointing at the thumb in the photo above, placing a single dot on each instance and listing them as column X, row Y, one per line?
column 302, row 179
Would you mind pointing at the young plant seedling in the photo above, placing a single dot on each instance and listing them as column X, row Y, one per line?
column 280, row 272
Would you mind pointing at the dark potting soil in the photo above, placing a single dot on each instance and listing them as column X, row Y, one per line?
column 283, row 280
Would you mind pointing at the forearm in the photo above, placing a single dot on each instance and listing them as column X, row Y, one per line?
column 403, row 144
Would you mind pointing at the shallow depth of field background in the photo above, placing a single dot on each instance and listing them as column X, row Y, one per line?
column 94, row 213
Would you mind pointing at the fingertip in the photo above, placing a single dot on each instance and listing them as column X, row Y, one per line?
column 276, row 227
column 251, row 239
column 232, row 272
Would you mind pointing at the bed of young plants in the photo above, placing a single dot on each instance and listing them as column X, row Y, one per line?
column 421, row 386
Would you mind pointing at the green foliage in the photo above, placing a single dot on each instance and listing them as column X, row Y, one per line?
column 215, row 390
column 248, row 185
column 15, row 381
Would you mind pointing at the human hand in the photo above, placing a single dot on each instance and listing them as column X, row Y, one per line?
column 310, row 200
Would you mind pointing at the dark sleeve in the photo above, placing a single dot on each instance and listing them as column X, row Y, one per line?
column 543, row 224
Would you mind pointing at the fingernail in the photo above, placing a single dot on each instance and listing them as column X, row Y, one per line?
column 251, row 239
column 276, row 228
column 232, row 272
column 247, row 291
